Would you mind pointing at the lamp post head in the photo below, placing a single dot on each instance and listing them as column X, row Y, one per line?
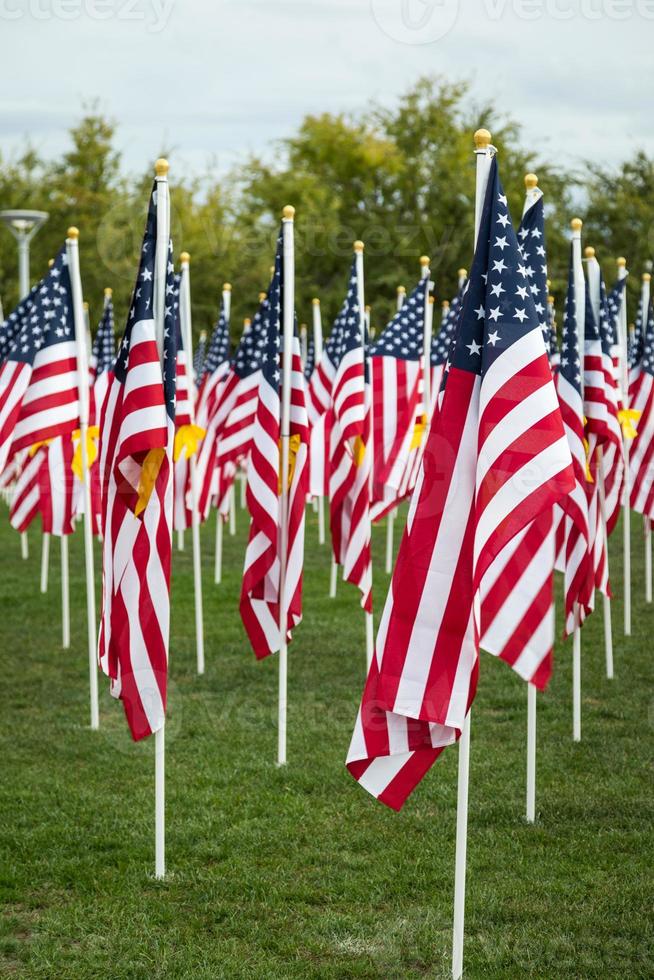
column 23, row 224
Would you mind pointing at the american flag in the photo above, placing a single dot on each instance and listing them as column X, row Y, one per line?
column 396, row 367
column 199, row 356
column 350, row 456
column 613, row 455
column 230, row 425
column 572, row 512
column 60, row 490
column 101, row 362
column 261, row 600
column 517, row 591
column 182, row 516
column 137, row 435
column 496, row 457
column 642, row 448
column 310, row 361
column 26, row 499
column 38, row 380
column 440, row 347
column 215, row 368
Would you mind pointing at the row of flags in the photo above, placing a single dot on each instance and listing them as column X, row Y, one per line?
column 511, row 451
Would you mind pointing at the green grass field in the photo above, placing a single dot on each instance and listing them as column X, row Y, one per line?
column 298, row 872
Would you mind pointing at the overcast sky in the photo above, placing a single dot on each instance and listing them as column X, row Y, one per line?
column 216, row 79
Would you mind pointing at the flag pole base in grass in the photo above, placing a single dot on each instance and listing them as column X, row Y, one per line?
column 282, row 705
column 648, row 559
column 321, row 519
column 370, row 640
column 333, row 579
column 218, row 560
column 24, row 546
column 180, row 540
column 160, row 802
column 531, row 753
column 390, row 521
column 626, row 543
column 232, row 511
column 461, row 848
column 65, row 594
column 576, row 685
column 45, row 561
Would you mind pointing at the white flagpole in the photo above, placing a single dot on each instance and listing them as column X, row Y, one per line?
column 645, row 294
column 484, row 155
column 390, row 520
column 45, row 560
column 187, row 339
column 333, row 579
column 594, row 275
column 532, row 195
column 218, row 559
column 462, row 275
column 232, row 510
column 303, row 343
column 317, row 355
column 180, row 539
column 358, row 251
column 24, row 546
column 580, row 317
column 626, row 509
column 288, row 321
column 72, row 250
column 65, row 593
column 161, row 266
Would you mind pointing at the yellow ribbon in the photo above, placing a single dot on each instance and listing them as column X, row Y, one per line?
column 418, row 431
column 358, row 451
column 627, row 417
column 149, row 474
column 32, row 451
column 589, row 475
column 187, row 440
column 92, row 435
column 293, row 447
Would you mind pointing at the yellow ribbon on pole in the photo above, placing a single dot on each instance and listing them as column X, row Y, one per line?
column 92, row 435
column 418, row 431
column 293, row 447
column 627, row 417
column 358, row 451
column 32, row 451
column 589, row 475
column 187, row 440
column 149, row 474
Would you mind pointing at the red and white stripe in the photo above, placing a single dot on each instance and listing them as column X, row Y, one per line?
column 261, row 603
column 26, row 500
column 60, row 489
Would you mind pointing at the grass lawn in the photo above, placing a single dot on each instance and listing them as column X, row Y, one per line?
column 298, row 872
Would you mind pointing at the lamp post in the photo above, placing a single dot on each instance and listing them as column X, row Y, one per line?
column 23, row 225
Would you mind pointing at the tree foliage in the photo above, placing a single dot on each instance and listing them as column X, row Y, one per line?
column 399, row 178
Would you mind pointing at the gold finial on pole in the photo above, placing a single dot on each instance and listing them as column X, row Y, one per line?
column 358, row 246
column 184, row 257
column 621, row 262
column 161, row 167
column 401, row 290
column 227, row 287
column 50, row 263
column 72, row 232
column 462, row 273
column 531, row 181
column 482, row 139
column 646, row 276
column 589, row 252
column 424, row 261
column 108, row 291
column 288, row 212
column 445, row 304
column 576, row 224
column 262, row 296
column 315, row 301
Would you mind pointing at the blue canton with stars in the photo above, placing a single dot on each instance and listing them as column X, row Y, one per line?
column 47, row 317
column 103, row 345
column 647, row 362
column 141, row 308
column 218, row 351
column 498, row 307
column 346, row 331
column 199, row 356
column 310, row 362
column 440, row 344
column 15, row 322
column 570, row 365
column 531, row 235
column 637, row 339
column 403, row 337
column 591, row 326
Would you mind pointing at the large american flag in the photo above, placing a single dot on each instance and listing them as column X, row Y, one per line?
column 399, row 416
column 350, row 456
column 642, row 448
column 137, row 435
column 496, row 457
column 517, row 591
column 38, row 379
column 261, row 599
column 572, row 511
